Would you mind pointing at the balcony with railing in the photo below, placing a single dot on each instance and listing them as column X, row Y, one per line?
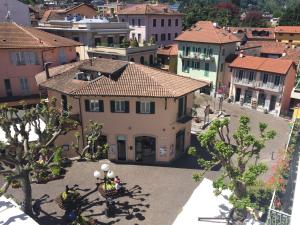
column 270, row 86
column 185, row 117
column 197, row 56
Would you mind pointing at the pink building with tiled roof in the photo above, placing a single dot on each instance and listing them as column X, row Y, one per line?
column 264, row 84
column 23, row 52
column 152, row 20
column 145, row 112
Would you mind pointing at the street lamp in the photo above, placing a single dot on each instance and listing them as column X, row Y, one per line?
column 97, row 174
column 105, row 169
column 111, row 174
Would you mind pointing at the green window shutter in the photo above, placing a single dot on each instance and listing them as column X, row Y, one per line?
column 101, row 106
column 87, row 105
column 126, row 106
column 112, row 106
column 152, row 107
column 138, row 107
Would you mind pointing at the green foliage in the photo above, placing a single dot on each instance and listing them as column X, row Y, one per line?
column 238, row 174
column 134, row 43
column 55, row 170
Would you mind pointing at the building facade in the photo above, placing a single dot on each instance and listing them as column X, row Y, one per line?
column 202, row 51
column 20, row 61
column 288, row 34
column 152, row 21
column 102, row 38
column 145, row 112
column 264, row 84
column 14, row 11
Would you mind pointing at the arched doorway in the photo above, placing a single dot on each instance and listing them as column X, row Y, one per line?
column 145, row 149
column 132, row 60
column 151, row 60
column 142, row 60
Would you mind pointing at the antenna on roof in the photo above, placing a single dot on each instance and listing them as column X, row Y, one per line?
column 8, row 16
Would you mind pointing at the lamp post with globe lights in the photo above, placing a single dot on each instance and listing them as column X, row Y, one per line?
column 105, row 169
column 97, row 175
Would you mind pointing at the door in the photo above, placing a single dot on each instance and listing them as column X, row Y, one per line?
column 237, row 94
column 110, row 41
column 180, row 142
column 8, row 89
column 272, row 103
column 121, row 145
column 145, row 149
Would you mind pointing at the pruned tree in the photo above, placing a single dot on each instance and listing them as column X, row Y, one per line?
column 19, row 154
column 94, row 148
column 237, row 158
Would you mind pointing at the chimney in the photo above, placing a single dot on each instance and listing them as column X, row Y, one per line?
column 46, row 67
column 241, row 54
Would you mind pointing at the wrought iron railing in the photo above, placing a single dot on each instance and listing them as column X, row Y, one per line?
column 276, row 217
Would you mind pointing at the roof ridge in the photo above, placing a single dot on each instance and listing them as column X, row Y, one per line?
column 29, row 33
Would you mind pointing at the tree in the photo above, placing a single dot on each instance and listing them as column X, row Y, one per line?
column 236, row 160
column 254, row 19
column 19, row 155
column 290, row 16
column 94, row 148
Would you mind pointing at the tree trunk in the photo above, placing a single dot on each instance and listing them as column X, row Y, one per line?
column 27, row 194
column 238, row 216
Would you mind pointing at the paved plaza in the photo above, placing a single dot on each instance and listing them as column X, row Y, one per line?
column 156, row 194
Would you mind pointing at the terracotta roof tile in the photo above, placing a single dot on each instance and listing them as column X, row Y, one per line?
column 268, row 47
column 16, row 36
column 169, row 50
column 279, row 66
column 206, row 32
column 254, row 33
column 151, row 9
column 287, row 29
column 133, row 80
column 293, row 54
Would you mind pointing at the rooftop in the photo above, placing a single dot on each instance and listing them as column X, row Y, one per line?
column 13, row 35
column 287, row 29
column 207, row 32
column 150, row 9
column 278, row 66
column 169, row 50
column 258, row 33
column 118, row 78
column 267, row 47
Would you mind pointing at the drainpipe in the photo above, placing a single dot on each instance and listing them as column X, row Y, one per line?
column 80, row 112
column 218, row 69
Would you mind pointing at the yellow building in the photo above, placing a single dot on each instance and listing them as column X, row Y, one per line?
column 288, row 34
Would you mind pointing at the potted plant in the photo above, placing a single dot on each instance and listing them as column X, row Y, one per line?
column 68, row 199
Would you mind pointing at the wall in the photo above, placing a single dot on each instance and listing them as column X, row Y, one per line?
column 287, row 38
column 15, row 72
column 288, row 87
column 215, row 75
column 147, row 30
column 162, row 125
column 19, row 12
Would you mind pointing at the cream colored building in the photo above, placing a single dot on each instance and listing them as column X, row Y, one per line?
column 264, row 84
column 146, row 112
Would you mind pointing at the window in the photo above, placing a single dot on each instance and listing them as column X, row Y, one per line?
column 251, row 76
column 156, row 37
column 145, row 107
column 163, row 37
column 176, row 34
column 197, row 65
column 169, row 36
column 139, row 22
column 265, row 78
column 94, row 105
column 98, row 41
column 182, row 106
column 222, row 67
column 240, row 75
column 119, row 106
column 248, row 96
column 139, row 38
column 133, row 36
column 204, row 51
column 64, row 102
column 76, row 39
column 206, row 68
column 210, row 51
column 8, row 89
column 187, row 51
column 133, row 22
column 277, row 80
column 154, row 22
column 176, row 22
column 162, row 23
column 169, row 22
column 24, row 86
column 261, row 99
column 123, row 20
column 223, row 52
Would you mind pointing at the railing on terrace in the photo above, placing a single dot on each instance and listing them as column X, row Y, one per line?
column 276, row 217
column 281, row 217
